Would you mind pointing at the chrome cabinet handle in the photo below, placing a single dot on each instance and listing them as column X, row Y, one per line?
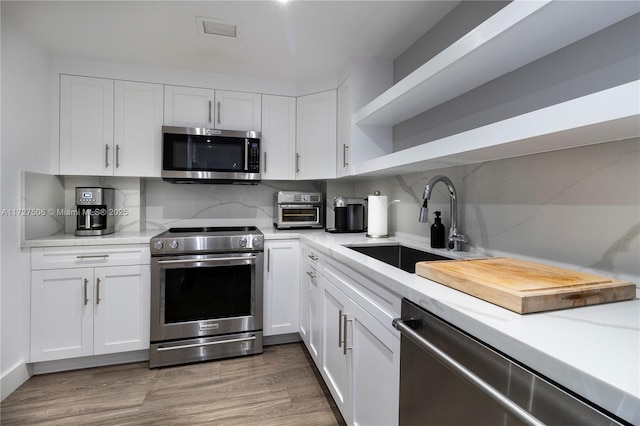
column 340, row 328
column 97, row 291
column 265, row 162
column 86, row 299
column 312, row 275
column 91, row 256
column 268, row 260
column 219, row 108
column 209, row 111
column 466, row 374
column 297, row 163
column 117, row 156
column 344, row 333
column 106, row 155
column 345, row 149
column 313, row 257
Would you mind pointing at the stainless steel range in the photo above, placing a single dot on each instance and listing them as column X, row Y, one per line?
column 206, row 294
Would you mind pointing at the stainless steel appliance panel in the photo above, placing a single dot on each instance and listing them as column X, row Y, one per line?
column 194, row 350
column 294, row 209
column 200, row 155
column 94, row 209
column 204, row 295
column 448, row 377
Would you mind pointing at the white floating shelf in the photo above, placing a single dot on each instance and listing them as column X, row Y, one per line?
column 518, row 34
column 606, row 116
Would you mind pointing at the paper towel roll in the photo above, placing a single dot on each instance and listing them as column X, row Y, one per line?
column 377, row 216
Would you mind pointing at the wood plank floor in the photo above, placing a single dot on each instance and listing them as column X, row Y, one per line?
column 278, row 387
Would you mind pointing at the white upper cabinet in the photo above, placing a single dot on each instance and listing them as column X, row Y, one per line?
column 316, row 136
column 238, row 111
column 278, row 137
column 109, row 127
column 86, row 126
column 189, row 106
column 138, row 129
column 344, row 129
column 216, row 109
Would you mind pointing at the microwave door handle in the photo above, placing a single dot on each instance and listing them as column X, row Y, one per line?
column 246, row 155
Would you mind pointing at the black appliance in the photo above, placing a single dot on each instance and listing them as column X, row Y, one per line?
column 349, row 215
column 206, row 294
column 200, row 155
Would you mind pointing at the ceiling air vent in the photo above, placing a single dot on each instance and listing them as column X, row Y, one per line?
column 218, row 28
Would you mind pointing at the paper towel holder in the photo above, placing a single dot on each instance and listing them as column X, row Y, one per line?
column 369, row 210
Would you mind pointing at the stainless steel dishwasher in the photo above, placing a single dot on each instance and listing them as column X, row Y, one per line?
column 448, row 377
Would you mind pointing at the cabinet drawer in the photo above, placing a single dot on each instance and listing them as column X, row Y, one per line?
column 376, row 300
column 88, row 256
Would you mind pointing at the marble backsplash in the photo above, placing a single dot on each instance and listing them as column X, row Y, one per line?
column 179, row 205
column 576, row 208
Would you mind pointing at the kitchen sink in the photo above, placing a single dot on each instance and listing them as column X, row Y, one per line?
column 397, row 255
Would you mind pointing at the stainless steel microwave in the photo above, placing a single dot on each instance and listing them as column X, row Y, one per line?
column 201, row 155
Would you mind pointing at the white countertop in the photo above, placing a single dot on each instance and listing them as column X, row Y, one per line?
column 593, row 350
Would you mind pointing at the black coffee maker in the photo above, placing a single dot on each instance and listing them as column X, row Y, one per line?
column 349, row 215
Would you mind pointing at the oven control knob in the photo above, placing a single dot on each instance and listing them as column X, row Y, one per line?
column 173, row 244
column 256, row 242
column 243, row 242
column 158, row 245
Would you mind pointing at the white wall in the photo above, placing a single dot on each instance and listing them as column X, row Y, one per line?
column 26, row 146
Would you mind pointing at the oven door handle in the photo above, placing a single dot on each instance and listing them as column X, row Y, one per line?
column 217, row 260
column 196, row 345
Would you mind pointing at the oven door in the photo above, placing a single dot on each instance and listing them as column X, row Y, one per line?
column 205, row 295
column 299, row 216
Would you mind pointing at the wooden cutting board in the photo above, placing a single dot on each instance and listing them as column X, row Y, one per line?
column 523, row 286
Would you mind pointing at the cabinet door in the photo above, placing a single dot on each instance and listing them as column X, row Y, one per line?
column 305, row 297
column 281, row 295
column 238, row 111
column 61, row 314
column 344, row 128
column 336, row 355
column 316, row 136
column 315, row 317
column 278, row 137
column 86, row 126
column 188, row 106
column 121, row 309
column 375, row 370
column 138, row 129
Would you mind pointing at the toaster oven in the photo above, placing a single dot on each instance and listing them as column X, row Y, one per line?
column 292, row 209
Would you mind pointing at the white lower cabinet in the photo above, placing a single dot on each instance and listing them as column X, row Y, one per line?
column 88, row 310
column 357, row 355
column 281, row 287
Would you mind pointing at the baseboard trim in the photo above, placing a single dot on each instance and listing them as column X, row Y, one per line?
column 89, row 362
column 13, row 379
column 281, row 339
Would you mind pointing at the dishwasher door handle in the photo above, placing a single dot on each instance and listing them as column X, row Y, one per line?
column 466, row 374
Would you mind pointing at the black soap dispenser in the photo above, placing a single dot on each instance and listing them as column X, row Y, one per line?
column 437, row 232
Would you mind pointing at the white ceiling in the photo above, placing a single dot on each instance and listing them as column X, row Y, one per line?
column 297, row 40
